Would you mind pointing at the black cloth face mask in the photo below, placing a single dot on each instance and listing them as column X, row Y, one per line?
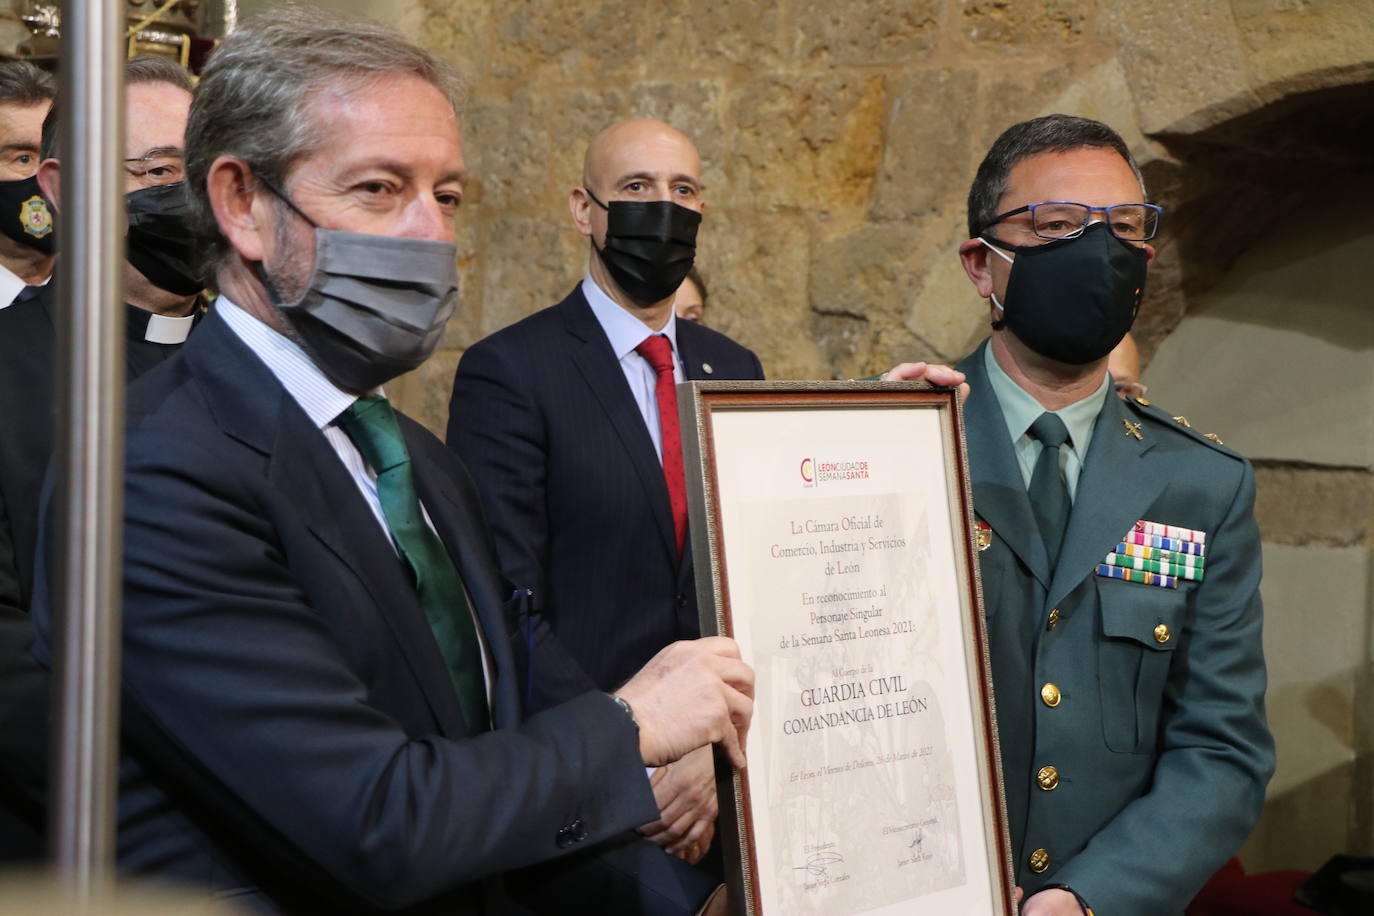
column 160, row 245
column 650, row 245
column 26, row 216
column 1072, row 300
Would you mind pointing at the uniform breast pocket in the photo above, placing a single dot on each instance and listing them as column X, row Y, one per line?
column 1141, row 629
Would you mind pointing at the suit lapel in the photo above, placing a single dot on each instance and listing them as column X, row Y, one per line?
column 999, row 491
column 693, row 364
column 48, row 299
column 693, row 369
column 1115, row 487
column 598, row 366
column 251, row 405
column 461, row 527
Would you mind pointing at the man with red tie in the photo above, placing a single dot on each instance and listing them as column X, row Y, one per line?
column 568, row 422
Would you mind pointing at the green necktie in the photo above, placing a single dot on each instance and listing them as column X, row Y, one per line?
column 1049, row 494
column 371, row 424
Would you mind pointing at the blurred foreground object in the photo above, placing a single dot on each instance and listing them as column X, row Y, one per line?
column 37, row 894
column 183, row 30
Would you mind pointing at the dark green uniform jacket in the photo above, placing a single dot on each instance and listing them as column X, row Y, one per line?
column 1134, row 745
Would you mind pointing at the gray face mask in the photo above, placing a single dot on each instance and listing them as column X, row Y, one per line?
column 376, row 305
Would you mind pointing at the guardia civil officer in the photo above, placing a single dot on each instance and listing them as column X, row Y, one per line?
column 1122, row 563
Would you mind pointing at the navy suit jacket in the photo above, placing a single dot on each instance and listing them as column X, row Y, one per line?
column 290, row 733
column 543, row 418
column 1134, row 746
column 28, row 364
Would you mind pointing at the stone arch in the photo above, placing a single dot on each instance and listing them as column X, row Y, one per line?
column 1260, row 328
column 1229, row 185
column 1240, row 109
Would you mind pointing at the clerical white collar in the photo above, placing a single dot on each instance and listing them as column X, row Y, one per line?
column 164, row 329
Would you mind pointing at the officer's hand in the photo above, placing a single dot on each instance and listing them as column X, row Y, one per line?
column 691, row 693
column 934, row 373
column 1052, row 902
column 686, row 795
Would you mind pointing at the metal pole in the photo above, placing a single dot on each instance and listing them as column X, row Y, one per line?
column 90, row 442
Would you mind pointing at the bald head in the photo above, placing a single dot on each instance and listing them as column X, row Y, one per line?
column 643, row 149
column 640, row 164
column 1124, row 365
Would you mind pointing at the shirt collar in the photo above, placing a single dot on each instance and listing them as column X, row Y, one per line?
column 320, row 398
column 160, row 329
column 10, row 285
column 1020, row 410
column 623, row 330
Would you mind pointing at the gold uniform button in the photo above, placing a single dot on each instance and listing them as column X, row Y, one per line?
column 1162, row 633
column 1047, row 778
column 1039, row 860
column 1054, row 619
column 1049, row 694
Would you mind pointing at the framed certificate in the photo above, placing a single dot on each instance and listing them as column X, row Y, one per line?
column 834, row 540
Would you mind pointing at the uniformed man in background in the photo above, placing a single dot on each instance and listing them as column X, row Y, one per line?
column 27, row 234
column 1124, row 365
column 27, row 239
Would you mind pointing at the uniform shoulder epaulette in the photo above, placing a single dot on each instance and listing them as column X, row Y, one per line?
column 1144, row 408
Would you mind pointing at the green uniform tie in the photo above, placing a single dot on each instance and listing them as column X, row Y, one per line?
column 371, row 424
column 1048, row 492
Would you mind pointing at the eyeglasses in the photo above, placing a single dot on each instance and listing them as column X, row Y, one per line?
column 162, row 169
column 1060, row 219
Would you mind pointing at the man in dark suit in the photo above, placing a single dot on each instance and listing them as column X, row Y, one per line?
column 560, row 419
column 1120, row 561
column 158, row 319
column 321, row 698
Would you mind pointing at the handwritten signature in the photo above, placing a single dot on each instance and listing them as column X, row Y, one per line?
column 818, row 862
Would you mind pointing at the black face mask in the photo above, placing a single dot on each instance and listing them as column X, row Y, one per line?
column 1072, row 300
column 650, row 246
column 26, row 216
column 160, row 242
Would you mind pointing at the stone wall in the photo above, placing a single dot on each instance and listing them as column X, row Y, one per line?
column 1277, row 359
column 839, row 138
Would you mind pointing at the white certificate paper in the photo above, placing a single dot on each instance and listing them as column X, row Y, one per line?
column 844, row 568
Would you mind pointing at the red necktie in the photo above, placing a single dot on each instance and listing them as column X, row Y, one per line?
column 659, row 354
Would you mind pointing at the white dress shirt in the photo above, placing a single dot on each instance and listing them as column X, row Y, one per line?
column 625, row 332
column 11, row 286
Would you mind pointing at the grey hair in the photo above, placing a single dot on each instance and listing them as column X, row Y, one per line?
column 146, row 68
column 255, row 96
column 1056, row 133
column 23, row 83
